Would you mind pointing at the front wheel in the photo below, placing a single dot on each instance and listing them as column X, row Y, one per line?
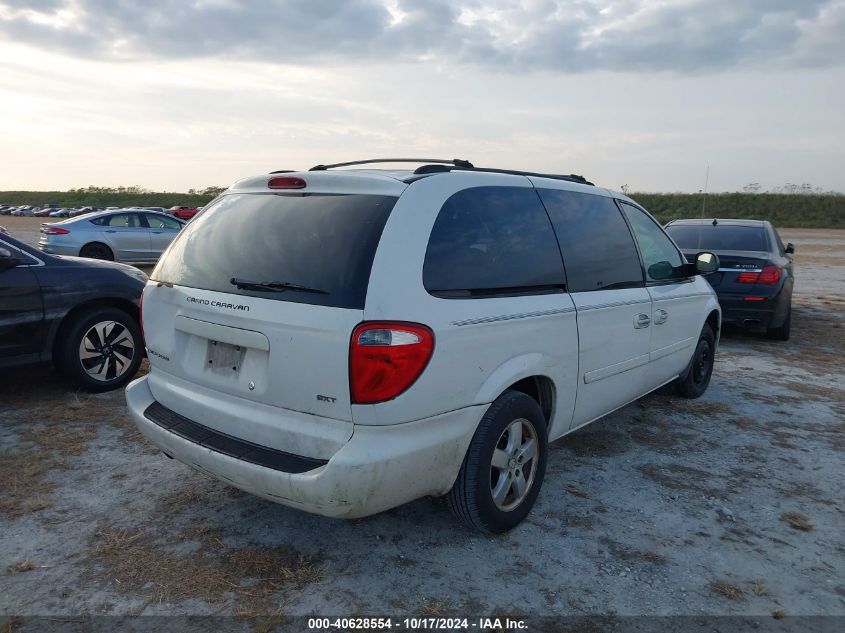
column 504, row 467
column 696, row 379
column 100, row 349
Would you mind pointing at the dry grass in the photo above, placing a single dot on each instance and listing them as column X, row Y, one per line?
column 797, row 521
column 577, row 492
column 20, row 566
column 727, row 590
column 778, row 614
column 623, row 552
column 26, row 490
column 136, row 563
column 431, row 607
column 680, row 477
column 11, row 625
column 758, row 587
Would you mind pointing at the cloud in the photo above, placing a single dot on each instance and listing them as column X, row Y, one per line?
column 515, row 35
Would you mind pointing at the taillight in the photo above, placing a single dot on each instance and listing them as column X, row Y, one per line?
column 769, row 276
column 54, row 230
column 385, row 358
column 286, row 182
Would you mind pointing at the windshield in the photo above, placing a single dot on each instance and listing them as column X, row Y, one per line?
column 722, row 237
column 321, row 241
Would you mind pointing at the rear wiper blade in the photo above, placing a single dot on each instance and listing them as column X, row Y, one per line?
column 272, row 286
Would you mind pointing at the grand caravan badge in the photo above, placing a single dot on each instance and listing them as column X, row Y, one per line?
column 219, row 304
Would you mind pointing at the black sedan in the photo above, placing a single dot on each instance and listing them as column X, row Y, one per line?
column 755, row 278
column 81, row 314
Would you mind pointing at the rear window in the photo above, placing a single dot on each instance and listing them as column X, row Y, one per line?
column 321, row 241
column 722, row 237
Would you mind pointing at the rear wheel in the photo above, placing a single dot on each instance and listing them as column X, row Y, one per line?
column 96, row 250
column 696, row 379
column 504, row 466
column 781, row 333
column 100, row 349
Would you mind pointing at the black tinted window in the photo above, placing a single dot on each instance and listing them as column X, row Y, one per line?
column 326, row 242
column 492, row 238
column 597, row 246
column 722, row 237
column 661, row 260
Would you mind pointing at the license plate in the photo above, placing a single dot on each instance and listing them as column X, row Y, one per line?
column 224, row 358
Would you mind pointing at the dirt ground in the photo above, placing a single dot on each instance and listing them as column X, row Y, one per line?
column 731, row 504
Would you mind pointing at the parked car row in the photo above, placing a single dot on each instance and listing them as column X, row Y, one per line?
column 386, row 336
column 55, row 211
column 125, row 235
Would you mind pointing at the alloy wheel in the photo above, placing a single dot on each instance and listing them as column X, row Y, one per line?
column 106, row 350
column 514, row 464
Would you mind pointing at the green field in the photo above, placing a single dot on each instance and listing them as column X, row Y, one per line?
column 821, row 211
column 783, row 210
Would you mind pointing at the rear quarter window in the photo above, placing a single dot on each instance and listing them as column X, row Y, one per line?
column 321, row 241
column 490, row 241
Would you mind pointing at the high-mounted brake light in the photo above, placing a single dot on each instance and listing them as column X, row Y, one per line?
column 54, row 230
column 768, row 276
column 386, row 358
column 286, row 182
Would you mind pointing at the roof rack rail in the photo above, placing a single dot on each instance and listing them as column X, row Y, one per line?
column 438, row 169
column 457, row 162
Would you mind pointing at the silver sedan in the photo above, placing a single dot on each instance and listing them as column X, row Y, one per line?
column 125, row 235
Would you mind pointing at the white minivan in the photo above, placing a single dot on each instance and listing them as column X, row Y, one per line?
column 343, row 341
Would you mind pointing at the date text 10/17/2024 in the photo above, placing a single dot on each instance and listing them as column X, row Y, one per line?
column 414, row 624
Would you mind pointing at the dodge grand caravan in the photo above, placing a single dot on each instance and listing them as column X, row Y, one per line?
column 343, row 341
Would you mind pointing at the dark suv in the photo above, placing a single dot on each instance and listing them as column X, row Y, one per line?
column 81, row 314
column 755, row 278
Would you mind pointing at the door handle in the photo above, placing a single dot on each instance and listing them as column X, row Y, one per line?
column 110, row 231
column 156, row 232
column 641, row 321
column 660, row 317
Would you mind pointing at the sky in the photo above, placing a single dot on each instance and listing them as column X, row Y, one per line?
column 179, row 94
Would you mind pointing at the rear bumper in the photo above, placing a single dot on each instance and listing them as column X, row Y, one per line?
column 770, row 312
column 380, row 467
column 58, row 249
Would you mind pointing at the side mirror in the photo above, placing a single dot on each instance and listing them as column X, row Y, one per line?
column 790, row 248
column 660, row 270
column 7, row 259
column 706, row 263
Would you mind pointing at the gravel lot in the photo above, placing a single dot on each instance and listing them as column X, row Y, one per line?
column 731, row 504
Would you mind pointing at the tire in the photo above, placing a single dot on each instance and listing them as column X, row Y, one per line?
column 86, row 362
column 96, row 250
column 695, row 380
column 781, row 333
column 471, row 498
